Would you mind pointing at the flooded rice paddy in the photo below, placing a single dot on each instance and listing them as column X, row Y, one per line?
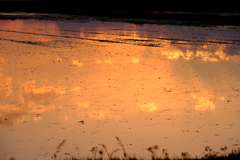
column 174, row 86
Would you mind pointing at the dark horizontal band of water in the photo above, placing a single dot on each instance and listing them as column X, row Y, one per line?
column 180, row 12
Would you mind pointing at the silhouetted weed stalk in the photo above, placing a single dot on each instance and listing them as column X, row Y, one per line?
column 125, row 155
column 110, row 154
column 59, row 149
column 153, row 150
column 95, row 151
column 98, row 154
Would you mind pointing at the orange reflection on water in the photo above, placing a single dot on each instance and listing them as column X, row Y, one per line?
column 1, row 59
column 19, row 24
column 207, row 52
column 35, row 26
column 26, row 102
column 5, row 87
column 78, row 63
column 82, row 105
column 92, row 83
column 10, row 115
column 41, row 93
column 19, row 113
column 107, row 61
column 216, row 55
column 148, row 107
column 134, row 60
column 102, row 115
column 204, row 102
column 76, row 89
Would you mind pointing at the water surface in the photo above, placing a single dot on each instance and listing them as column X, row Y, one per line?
column 87, row 82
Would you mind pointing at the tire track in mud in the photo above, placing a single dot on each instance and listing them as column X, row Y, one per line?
column 174, row 40
column 202, row 41
column 50, row 35
column 153, row 42
column 26, row 42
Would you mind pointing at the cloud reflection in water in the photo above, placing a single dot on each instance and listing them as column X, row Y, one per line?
column 5, row 87
column 205, row 101
column 148, row 107
column 136, row 76
column 31, row 102
column 42, row 93
column 210, row 52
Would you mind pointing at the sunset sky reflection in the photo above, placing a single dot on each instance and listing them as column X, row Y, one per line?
column 89, row 80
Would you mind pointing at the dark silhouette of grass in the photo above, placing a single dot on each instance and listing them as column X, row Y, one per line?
column 110, row 154
column 59, row 149
column 153, row 150
column 124, row 151
column 98, row 154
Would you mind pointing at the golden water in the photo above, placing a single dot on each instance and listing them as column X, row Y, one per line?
column 172, row 86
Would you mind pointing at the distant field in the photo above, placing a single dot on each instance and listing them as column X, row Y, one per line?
column 215, row 13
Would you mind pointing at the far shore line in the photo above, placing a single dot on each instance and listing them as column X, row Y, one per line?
column 138, row 15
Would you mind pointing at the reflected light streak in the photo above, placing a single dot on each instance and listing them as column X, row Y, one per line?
column 82, row 105
column 18, row 24
column 148, row 107
column 77, row 63
column 205, row 53
column 173, row 55
column 134, row 60
column 108, row 61
column 76, row 89
column 204, row 103
column 34, row 25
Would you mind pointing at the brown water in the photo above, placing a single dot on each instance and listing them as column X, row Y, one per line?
column 172, row 86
